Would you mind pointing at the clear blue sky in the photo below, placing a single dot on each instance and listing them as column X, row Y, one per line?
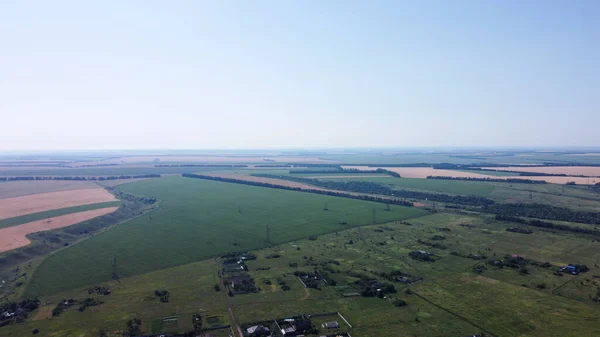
column 272, row 74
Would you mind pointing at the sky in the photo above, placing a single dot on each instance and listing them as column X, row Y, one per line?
column 298, row 74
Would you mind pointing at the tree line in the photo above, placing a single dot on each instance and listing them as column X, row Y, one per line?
column 548, row 225
column 542, row 211
column 375, row 188
column 493, row 180
column 80, row 178
column 200, row 165
column 330, row 193
column 339, row 169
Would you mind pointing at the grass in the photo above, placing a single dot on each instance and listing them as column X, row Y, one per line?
column 451, row 301
column 200, row 219
column 192, row 292
column 53, row 213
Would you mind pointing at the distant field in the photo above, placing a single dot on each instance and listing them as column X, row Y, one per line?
column 444, row 186
column 591, row 171
column 12, row 189
column 35, row 203
column 16, row 236
column 54, row 213
column 489, row 173
column 101, row 171
column 199, row 219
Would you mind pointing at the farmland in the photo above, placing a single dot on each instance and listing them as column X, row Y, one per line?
column 197, row 220
column 467, row 271
column 23, row 205
column 15, row 236
column 452, row 298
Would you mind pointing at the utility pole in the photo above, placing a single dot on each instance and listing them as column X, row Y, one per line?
column 373, row 216
column 268, row 234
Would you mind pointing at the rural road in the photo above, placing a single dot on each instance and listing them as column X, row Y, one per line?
column 230, row 308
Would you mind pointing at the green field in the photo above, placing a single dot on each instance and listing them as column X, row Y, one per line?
column 198, row 219
column 55, row 212
column 433, row 185
column 451, row 301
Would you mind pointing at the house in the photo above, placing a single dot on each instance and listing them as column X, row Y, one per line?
column 303, row 325
column 331, row 325
column 288, row 331
column 258, row 330
column 570, row 269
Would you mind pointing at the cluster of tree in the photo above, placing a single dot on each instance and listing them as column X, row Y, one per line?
column 339, row 169
column 163, row 295
column 470, row 256
column 370, row 287
column 273, row 165
column 62, row 305
column 89, row 302
column 331, row 193
column 80, row 178
column 245, row 286
column 519, row 230
column 135, row 199
column 432, row 244
column 493, row 180
column 548, row 225
column 101, row 290
column 197, row 321
column 17, row 312
column 97, row 165
column 518, row 262
column 399, row 303
column 375, row 188
column 273, row 256
column 284, row 286
column 134, row 327
column 421, row 256
column 201, row 165
column 541, row 211
column 311, row 279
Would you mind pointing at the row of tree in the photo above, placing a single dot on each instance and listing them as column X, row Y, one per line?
column 80, row 178
column 375, row 188
column 542, row 211
column 548, row 225
column 493, row 180
column 201, row 165
column 339, row 169
column 331, row 193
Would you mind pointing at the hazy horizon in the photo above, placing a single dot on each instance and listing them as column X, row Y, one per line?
column 294, row 75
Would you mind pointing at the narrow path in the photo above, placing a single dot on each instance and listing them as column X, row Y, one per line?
column 230, row 307
column 488, row 333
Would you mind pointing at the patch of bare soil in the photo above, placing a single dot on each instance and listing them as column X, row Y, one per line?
column 17, row 206
column 15, row 237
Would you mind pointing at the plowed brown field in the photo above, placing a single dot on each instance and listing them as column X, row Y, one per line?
column 17, row 206
column 15, row 237
column 590, row 171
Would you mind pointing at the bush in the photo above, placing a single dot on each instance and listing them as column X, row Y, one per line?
column 399, row 303
column 35, row 331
